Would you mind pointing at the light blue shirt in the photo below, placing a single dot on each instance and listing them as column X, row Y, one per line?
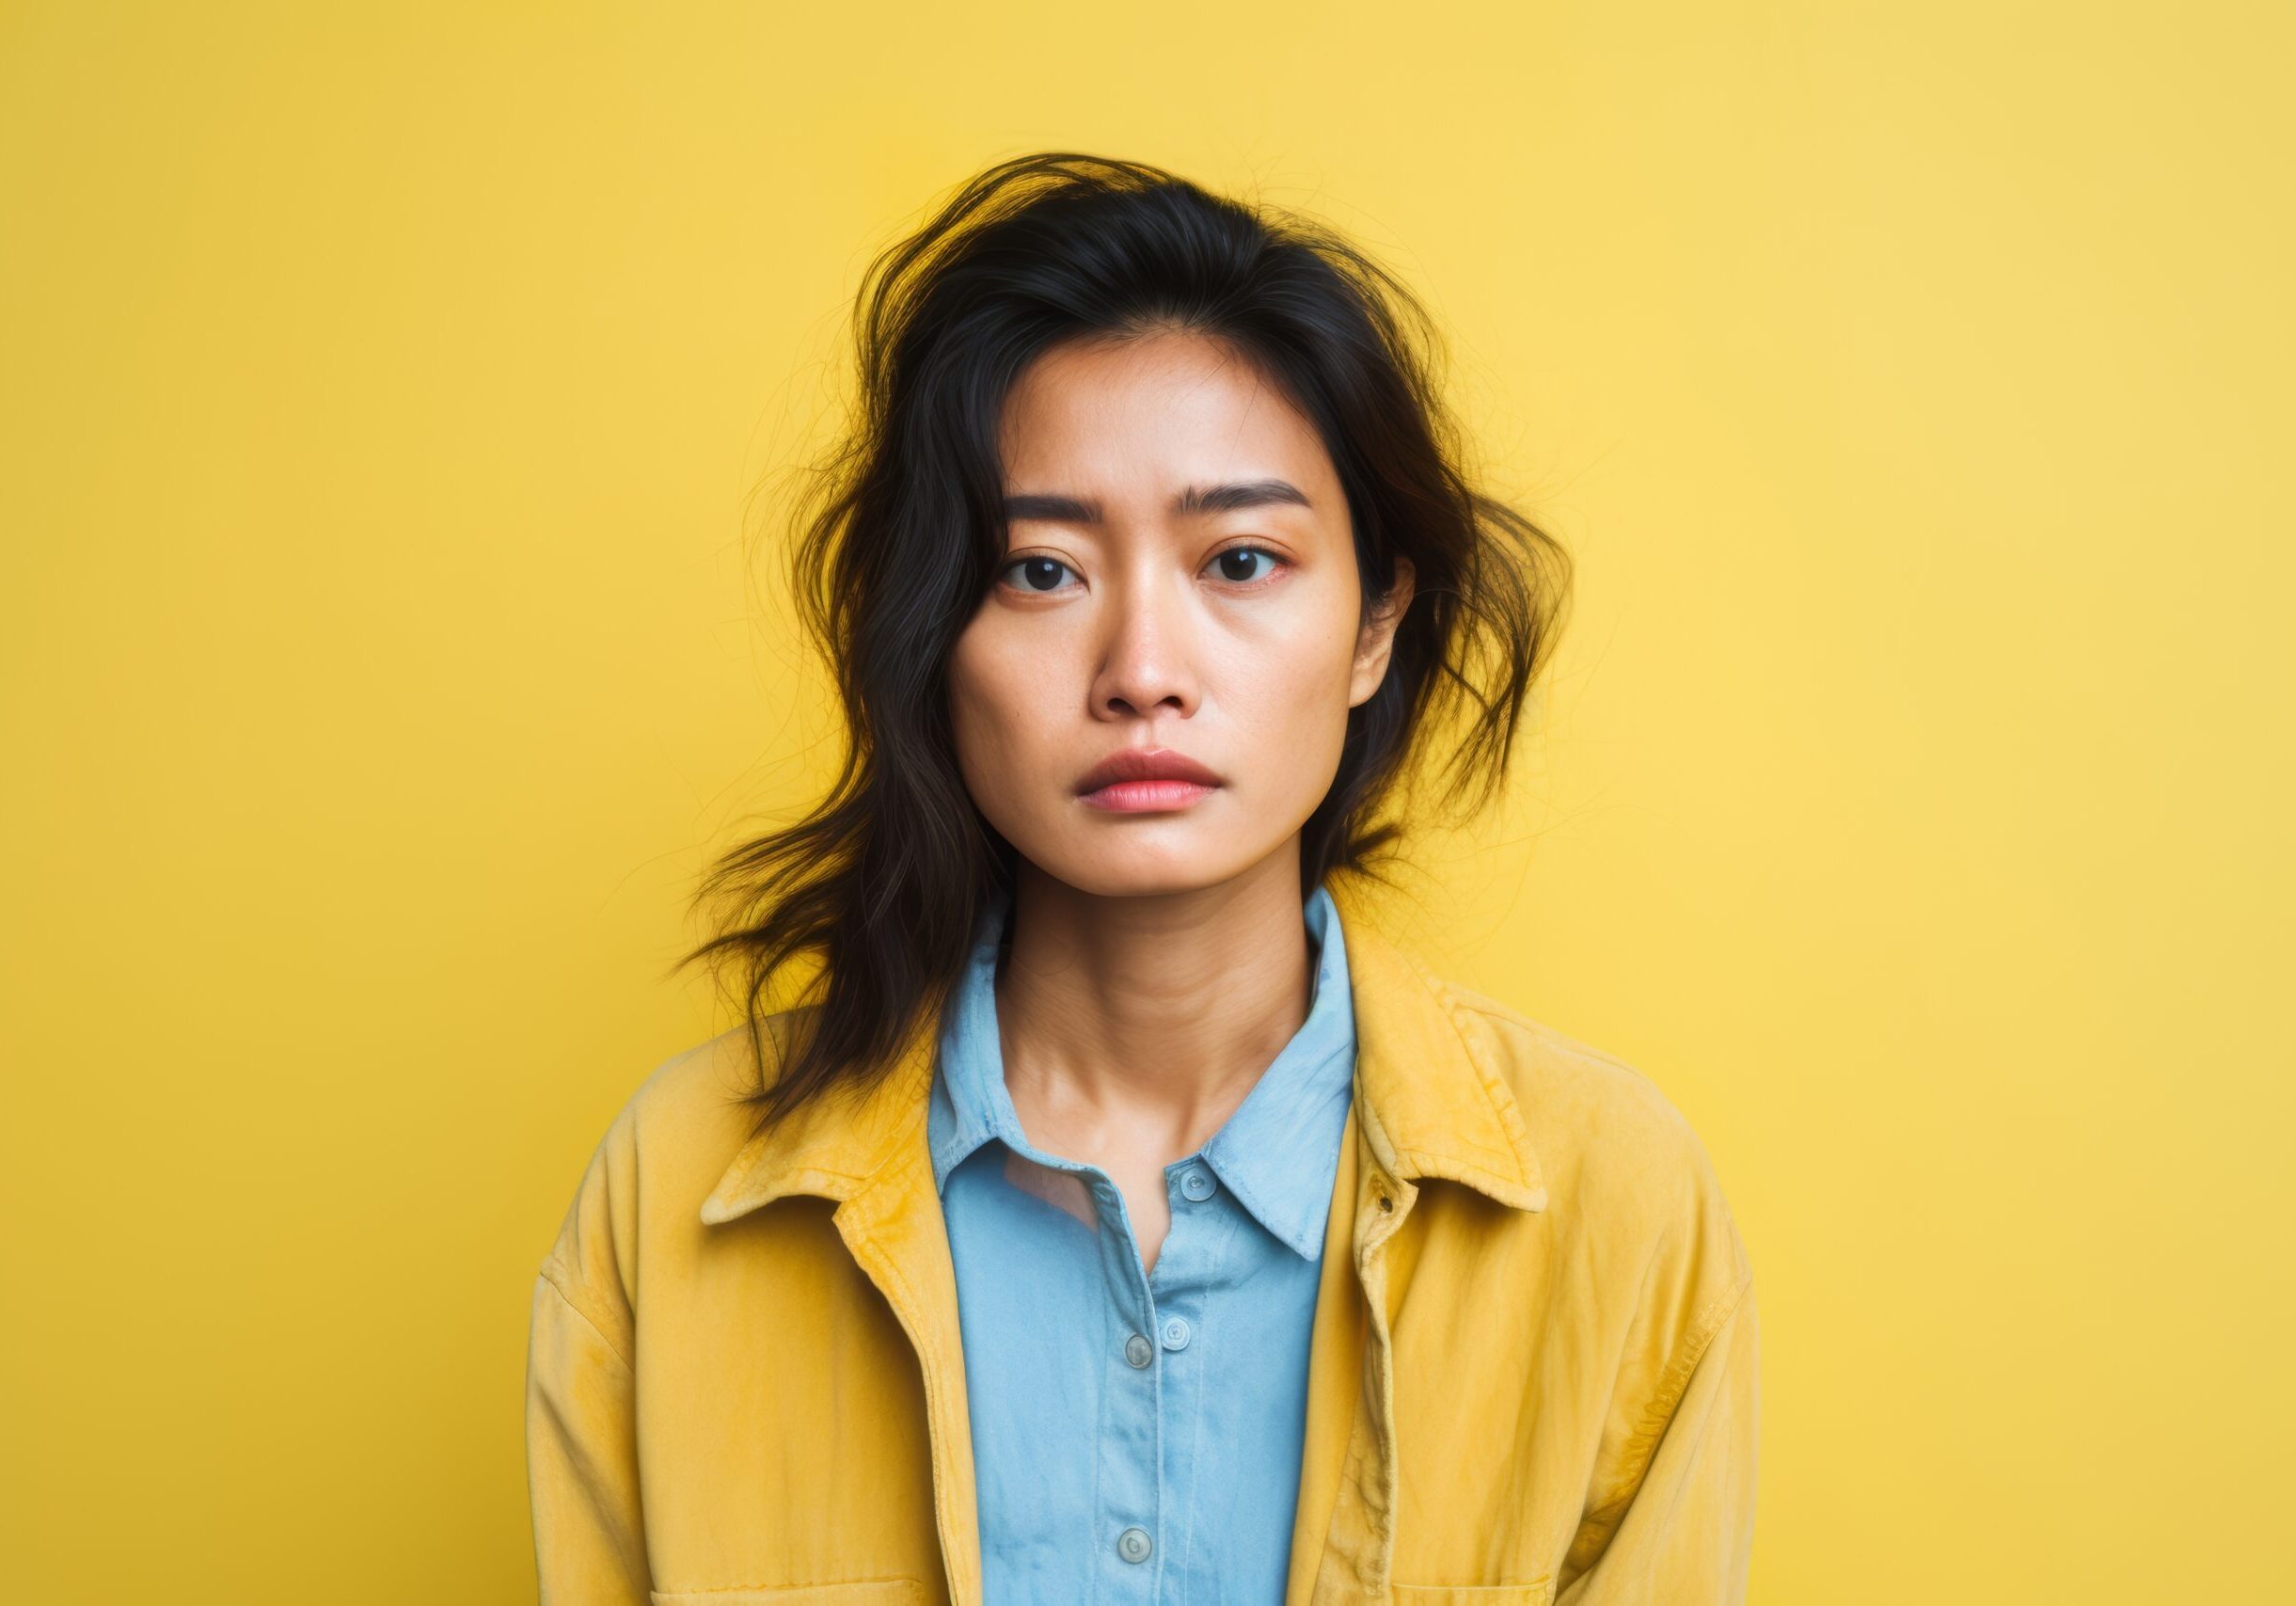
column 1137, row 1439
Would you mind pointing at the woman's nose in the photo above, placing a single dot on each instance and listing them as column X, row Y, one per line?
column 1146, row 653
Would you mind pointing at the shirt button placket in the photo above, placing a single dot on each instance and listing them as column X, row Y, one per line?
column 1131, row 1476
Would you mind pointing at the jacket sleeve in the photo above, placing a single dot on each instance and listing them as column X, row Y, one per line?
column 1685, row 1535
column 581, row 1454
column 581, row 1391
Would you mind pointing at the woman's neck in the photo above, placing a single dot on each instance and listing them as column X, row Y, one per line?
column 1132, row 1021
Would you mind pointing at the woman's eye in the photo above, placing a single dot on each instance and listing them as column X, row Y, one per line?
column 1037, row 574
column 1237, row 564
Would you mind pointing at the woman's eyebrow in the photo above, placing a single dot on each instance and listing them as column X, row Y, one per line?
column 1064, row 509
column 1196, row 498
column 1228, row 499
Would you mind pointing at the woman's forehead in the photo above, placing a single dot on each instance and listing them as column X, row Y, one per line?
column 1149, row 421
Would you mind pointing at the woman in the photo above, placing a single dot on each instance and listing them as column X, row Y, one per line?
column 1121, row 1217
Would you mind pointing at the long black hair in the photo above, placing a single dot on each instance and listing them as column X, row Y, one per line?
column 903, row 534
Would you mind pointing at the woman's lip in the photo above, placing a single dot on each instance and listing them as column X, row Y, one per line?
column 1146, row 797
column 1145, row 764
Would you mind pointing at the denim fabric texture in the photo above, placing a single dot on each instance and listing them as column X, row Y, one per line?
column 1136, row 1436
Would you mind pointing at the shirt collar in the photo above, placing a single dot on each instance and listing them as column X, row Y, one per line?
column 1433, row 1099
column 1272, row 1151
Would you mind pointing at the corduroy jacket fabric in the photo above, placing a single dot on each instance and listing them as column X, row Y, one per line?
column 1533, row 1374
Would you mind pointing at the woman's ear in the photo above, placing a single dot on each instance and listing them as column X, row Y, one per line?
column 1377, row 640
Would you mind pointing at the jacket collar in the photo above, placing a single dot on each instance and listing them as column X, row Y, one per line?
column 1427, row 1089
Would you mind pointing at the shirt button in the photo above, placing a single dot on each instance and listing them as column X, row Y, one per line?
column 1175, row 1332
column 1138, row 1350
column 1197, row 1184
column 1133, row 1545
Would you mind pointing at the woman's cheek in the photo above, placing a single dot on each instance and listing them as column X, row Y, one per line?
column 1009, row 750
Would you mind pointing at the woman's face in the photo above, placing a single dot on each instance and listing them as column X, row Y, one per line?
column 1179, row 579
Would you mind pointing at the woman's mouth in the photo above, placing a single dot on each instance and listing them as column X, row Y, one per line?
column 1146, row 797
column 1146, row 780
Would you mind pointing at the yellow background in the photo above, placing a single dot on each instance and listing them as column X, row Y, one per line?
column 393, row 406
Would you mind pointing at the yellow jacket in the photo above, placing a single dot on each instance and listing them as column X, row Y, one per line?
column 1532, row 1379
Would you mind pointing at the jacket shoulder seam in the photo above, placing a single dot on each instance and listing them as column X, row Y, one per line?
column 1672, row 1386
column 552, row 1275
